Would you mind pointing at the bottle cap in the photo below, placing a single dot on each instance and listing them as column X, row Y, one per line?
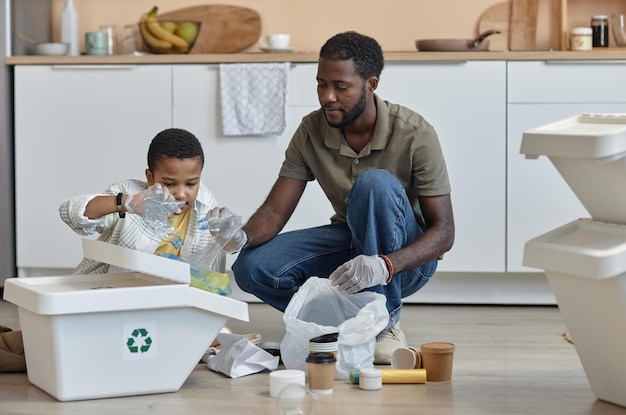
column 582, row 31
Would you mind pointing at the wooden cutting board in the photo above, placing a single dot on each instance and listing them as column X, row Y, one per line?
column 523, row 24
column 224, row 28
column 496, row 17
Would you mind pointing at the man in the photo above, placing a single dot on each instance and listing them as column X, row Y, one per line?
column 381, row 167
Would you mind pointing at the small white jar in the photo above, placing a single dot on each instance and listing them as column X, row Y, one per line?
column 279, row 379
column 370, row 379
column 581, row 38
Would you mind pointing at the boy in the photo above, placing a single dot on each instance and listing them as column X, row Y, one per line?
column 175, row 162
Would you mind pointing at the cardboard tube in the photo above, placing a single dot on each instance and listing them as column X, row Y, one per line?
column 395, row 376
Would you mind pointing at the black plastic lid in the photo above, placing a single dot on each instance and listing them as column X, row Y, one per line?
column 325, row 338
column 322, row 357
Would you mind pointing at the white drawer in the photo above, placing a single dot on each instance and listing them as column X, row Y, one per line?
column 566, row 81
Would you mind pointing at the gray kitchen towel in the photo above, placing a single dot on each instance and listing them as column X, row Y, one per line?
column 253, row 98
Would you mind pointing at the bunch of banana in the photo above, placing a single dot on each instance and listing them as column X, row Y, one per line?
column 159, row 39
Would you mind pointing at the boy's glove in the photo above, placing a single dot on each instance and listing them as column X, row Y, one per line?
column 360, row 273
column 135, row 203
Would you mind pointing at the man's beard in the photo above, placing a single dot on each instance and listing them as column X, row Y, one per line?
column 353, row 114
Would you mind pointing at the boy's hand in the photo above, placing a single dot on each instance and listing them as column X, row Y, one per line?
column 134, row 203
column 360, row 273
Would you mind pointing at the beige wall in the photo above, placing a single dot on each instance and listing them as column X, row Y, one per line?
column 394, row 23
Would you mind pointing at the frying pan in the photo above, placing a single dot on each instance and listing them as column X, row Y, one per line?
column 458, row 45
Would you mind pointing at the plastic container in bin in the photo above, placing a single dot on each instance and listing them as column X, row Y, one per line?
column 117, row 334
column 585, row 260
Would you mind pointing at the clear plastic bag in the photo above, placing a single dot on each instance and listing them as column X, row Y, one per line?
column 204, row 264
column 319, row 308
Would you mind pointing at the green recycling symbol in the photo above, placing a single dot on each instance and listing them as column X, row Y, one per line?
column 139, row 341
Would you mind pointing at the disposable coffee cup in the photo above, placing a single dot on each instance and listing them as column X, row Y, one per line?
column 406, row 358
column 325, row 343
column 437, row 359
column 321, row 372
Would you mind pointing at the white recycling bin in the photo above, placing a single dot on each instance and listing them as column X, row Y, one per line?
column 585, row 260
column 117, row 334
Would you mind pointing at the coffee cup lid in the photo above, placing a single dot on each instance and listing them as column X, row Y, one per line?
column 323, row 357
column 325, row 338
column 437, row 347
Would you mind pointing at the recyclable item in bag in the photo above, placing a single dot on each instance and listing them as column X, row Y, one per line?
column 318, row 308
column 204, row 273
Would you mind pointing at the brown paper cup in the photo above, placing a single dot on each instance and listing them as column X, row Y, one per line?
column 321, row 372
column 437, row 359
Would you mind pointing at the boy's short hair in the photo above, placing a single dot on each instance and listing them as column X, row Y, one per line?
column 174, row 143
column 364, row 51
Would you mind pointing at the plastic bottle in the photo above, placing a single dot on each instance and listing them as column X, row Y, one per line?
column 69, row 27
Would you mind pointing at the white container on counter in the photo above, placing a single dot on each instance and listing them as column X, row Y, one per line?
column 581, row 39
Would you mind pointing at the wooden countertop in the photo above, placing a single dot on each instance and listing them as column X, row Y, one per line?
column 300, row 56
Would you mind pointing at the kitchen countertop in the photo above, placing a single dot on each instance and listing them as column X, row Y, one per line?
column 300, row 56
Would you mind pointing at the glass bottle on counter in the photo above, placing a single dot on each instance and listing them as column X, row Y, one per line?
column 600, row 28
column 69, row 27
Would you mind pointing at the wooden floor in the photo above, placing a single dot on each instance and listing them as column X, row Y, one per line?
column 508, row 360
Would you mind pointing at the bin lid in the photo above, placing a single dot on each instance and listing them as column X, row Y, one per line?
column 153, row 282
column 583, row 248
column 588, row 135
column 137, row 261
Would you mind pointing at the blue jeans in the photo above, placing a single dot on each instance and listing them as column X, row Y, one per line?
column 380, row 220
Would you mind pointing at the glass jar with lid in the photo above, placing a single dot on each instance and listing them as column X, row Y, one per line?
column 600, row 29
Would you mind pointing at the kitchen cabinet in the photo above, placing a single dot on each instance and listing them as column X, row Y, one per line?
column 538, row 198
column 463, row 101
column 77, row 130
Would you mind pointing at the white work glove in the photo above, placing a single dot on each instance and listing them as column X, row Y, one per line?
column 135, row 203
column 359, row 273
column 225, row 227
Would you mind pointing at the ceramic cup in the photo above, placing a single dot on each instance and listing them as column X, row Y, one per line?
column 97, row 43
column 276, row 41
column 437, row 360
column 321, row 372
column 406, row 358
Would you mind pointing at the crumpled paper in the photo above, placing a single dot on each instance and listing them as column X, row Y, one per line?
column 238, row 357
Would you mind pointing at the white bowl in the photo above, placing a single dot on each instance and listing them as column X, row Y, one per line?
column 52, row 48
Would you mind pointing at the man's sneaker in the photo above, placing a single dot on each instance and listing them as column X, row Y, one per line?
column 386, row 343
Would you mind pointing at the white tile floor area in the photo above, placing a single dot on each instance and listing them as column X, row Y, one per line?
column 508, row 360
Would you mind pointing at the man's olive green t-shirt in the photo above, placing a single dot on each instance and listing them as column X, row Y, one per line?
column 404, row 144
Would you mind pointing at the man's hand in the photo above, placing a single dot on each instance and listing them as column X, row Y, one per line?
column 225, row 226
column 359, row 273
